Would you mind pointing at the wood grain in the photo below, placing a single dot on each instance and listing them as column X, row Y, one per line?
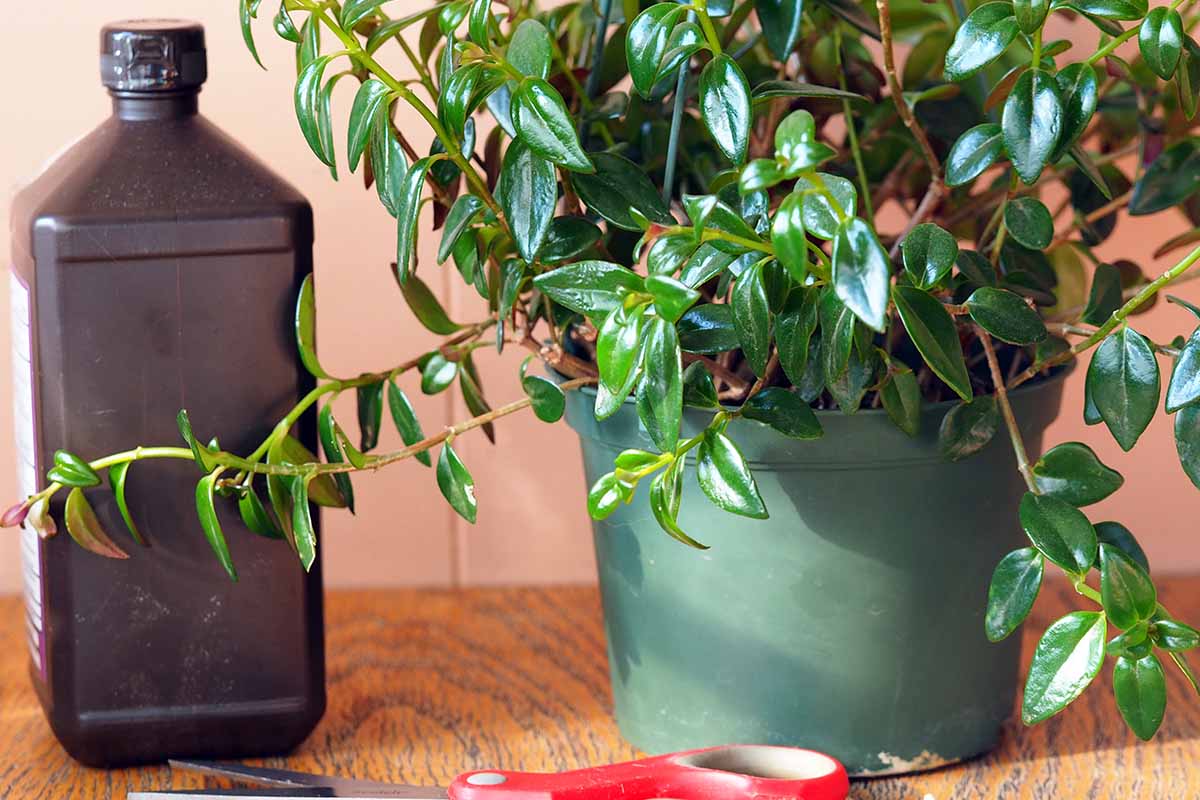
column 426, row 684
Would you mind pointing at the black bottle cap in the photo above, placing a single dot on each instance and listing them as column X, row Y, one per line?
column 152, row 55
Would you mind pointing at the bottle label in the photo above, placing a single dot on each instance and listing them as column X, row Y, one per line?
column 27, row 477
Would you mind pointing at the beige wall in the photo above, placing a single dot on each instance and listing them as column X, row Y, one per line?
column 532, row 526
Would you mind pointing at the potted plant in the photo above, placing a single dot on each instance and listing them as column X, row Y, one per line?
column 677, row 208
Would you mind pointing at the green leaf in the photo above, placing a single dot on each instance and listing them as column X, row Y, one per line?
column 388, row 163
column 543, row 123
column 854, row 13
column 1029, row 222
column 671, row 298
column 1067, row 659
column 708, row 329
column 901, row 396
column 1175, row 636
column 302, row 523
column 1187, row 441
column 355, row 11
column 935, row 335
column 660, row 391
column 1172, row 178
column 725, row 477
column 284, row 27
column 785, row 412
column 71, row 470
column 437, row 375
column 929, row 253
column 1109, row 9
column 646, row 44
column 725, row 106
column 116, row 479
column 593, row 288
column 837, row 331
column 821, row 217
column 1032, row 123
column 207, row 512
column 1184, row 387
column 321, row 490
column 308, row 102
column 327, row 433
column 1105, row 296
column 796, row 143
column 752, row 317
column 405, row 420
column 789, row 238
column 1030, row 14
column 1123, row 382
column 1072, row 472
column 760, row 173
column 529, row 49
column 771, row 90
column 306, row 328
column 618, row 347
column 968, row 427
column 370, row 414
column 408, row 207
column 85, row 528
column 184, row 423
column 1060, row 531
column 1117, row 535
column 1080, row 92
column 1140, row 687
column 1006, row 315
column 458, row 220
column 1015, row 586
column 548, row 400
column 479, row 22
column 982, row 38
column 1160, row 39
column 247, row 11
column 665, row 491
column 456, row 484
column 372, row 99
column 617, row 189
column 975, row 151
column 669, row 252
column 793, row 333
column 528, row 192
column 849, row 387
column 780, row 24
column 862, row 272
column 1126, row 589
column 255, row 516
column 567, row 238
column 698, row 388
column 604, row 497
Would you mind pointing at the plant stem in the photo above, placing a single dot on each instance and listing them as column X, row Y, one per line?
column 679, row 101
column 1118, row 316
column 593, row 81
column 897, row 92
column 710, row 33
column 864, row 186
column 1010, row 421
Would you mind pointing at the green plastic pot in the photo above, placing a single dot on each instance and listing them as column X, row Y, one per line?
column 849, row 622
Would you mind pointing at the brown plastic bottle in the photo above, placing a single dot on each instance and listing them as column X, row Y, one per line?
column 156, row 264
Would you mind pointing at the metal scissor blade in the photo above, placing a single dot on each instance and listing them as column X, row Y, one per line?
column 316, row 785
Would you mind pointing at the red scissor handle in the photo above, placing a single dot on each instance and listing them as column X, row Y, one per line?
column 738, row 772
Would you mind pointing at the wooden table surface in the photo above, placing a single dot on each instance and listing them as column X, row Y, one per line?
column 426, row 684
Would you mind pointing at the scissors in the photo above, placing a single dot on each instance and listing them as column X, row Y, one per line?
column 737, row 772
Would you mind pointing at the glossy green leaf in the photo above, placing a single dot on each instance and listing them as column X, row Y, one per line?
column 785, row 412
column 255, row 516
column 547, row 399
column 372, row 99
column 543, row 123
column 780, row 23
column 901, row 397
column 1030, row 14
column 405, row 420
column 71, row 470
column 1073, row 472
column 968, row 427
column 247, row 11
column 708, row 329
column 529, row 49
column 660, row 390
column 207, row 512
column 699, row 391
column 370, row 414
column 929, row 253
column 593, row 288
column 837, row 334
column 1029, row 222
column 1080, row 91
column 1014, row 588
column 935, row 335
column 528, row 192
column 388, row 163
column 1126, row 589
column 1110, row 9
column 666, row 490
column 671, row 298
column 1172, row 178
column 567, row 238
column 284, row 27
column 305, row 534
column 771, row 90
column 1175, row 636
column 669, row 252
column 184, row 423
column 725, row 106
column 794, row 328
column 307, row 101
column 752, row 317
column 408, row 207
column 1105, row 296
column 725, row 477
column 862, row 272
column 1140, row 687
column 982, row 38
column 1123, row 382
column 116, row 479
column 321, row 490
column 1117, row 535
column 437, row 375
column 974, row 151
column 462, row 214
column 456, row 484
column 850, row 386
column 85, row 528
column 1187, row 441
column 426, row 308
column 455, row 99
column 306, row 328
column 618, row 346
column 1067, row 659
column 646, row 44
column 327, row 433
column 796, row 144
column 822, row 215
column 1060, row 531
column 479, row 22
column 1032, row 123
column 789, row 238
column 1160, row 39
column 1184, row 387
column 355, row 11
column 1006, row 315
column 617, row 189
